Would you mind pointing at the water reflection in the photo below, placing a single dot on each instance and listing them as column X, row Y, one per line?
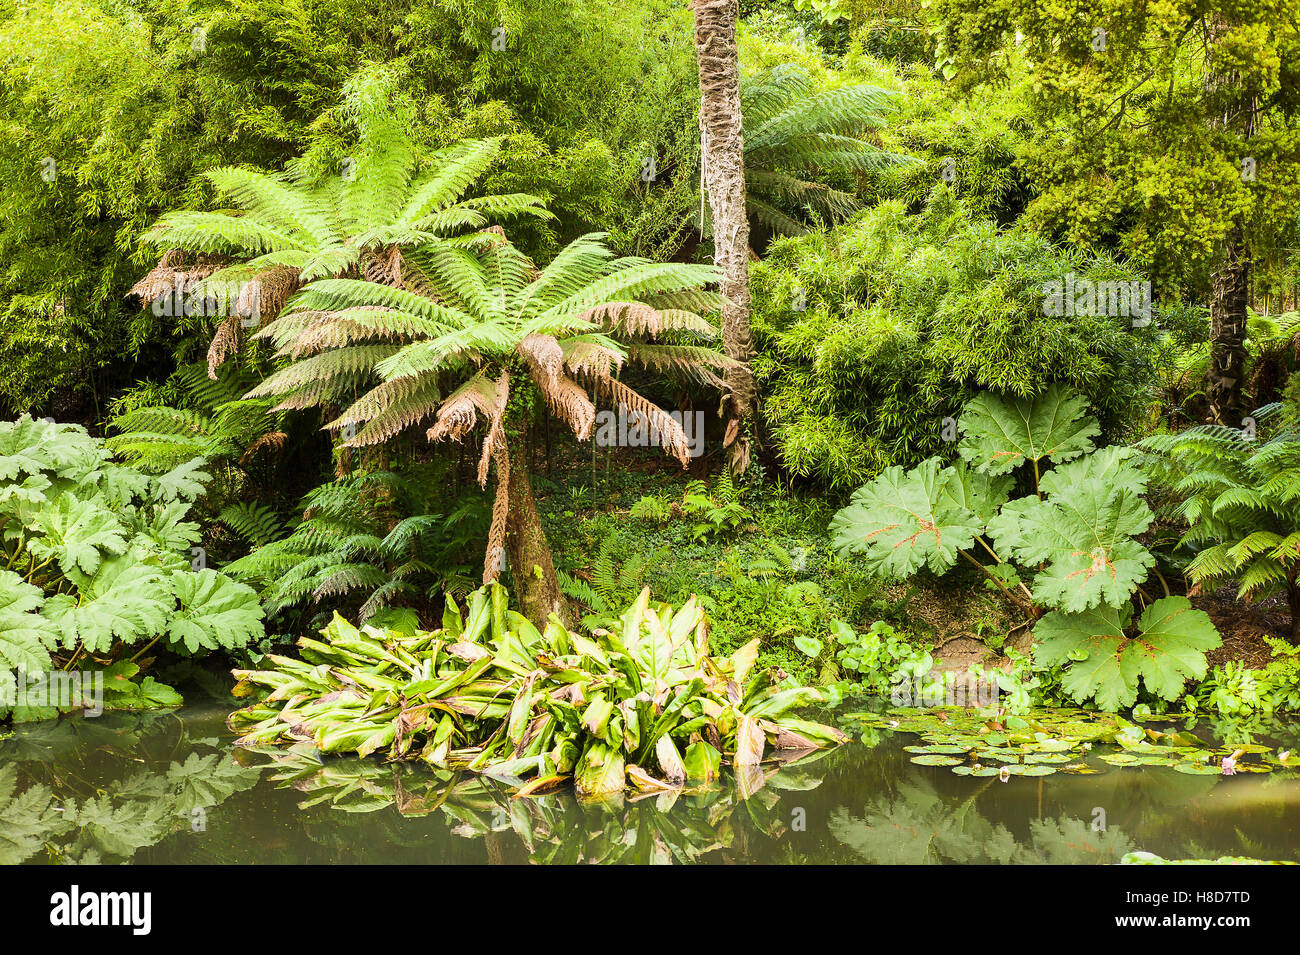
column 169, row 788
column 98, row 790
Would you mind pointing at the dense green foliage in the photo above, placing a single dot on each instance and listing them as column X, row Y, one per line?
column 101, row 566
column 370, row 542
column 1241, row 500
column 1076, row 534
column 639, row 705
column 174, row 90
column 874, row 333
column 351, row 262
column 1142, row 110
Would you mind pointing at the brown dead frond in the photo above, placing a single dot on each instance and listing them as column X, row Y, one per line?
column 176, row 269
column 663, row 428
column 591, row 359
column 625, row 318
column 225, row 342
column 544, row 354
column 458, row 414
column 266, row 295
column 272, row 441
column 691, row 362
column 496, row 435
column 385, row 267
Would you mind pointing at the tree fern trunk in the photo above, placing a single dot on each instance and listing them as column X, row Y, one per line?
column 1234, row 112
column 1293, row 600
column 536, row 585
column 1228, row 316
column 722, row 153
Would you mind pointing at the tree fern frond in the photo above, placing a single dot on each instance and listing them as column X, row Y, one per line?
column 252, row 521
column 210, row 232
column 454, row 170
column 390, row 408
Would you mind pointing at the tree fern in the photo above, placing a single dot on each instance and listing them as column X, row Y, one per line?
column 796, row 137
column 298, row 225
column 444, row 365
column 1241, row 500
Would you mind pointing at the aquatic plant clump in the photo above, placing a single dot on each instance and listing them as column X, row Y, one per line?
column 640, row 705
column 973, row 743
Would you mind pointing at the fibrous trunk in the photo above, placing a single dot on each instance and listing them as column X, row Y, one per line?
column 1228, row 316
column 723, row 158
column 536, row 585
column 1293, row 599
column 1233, row 111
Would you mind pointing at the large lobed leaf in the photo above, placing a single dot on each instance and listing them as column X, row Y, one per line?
column 1083, row 532
column 1104, row 663
column 25, row 636
column 125, row 600
column 214, row 612
column 901, row 522
column 1000, row 433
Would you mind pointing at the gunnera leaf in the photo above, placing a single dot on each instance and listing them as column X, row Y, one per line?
column 1083, row 533
column 215, row 611
column 981, row 494
column 1167, row 650
column 1000, row 433
column 78, row 534
column 901, row 522
column 24, row 634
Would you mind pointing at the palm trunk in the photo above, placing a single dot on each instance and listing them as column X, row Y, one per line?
column 723, row 158
column 536, row 585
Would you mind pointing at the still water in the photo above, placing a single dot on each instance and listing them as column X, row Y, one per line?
column 168, row 787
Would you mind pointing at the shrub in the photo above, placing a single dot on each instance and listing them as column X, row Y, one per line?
column 1075, row 536
column 640, row 705
column 871, row 334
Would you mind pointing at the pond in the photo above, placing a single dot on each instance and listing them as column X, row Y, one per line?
column 168, row 787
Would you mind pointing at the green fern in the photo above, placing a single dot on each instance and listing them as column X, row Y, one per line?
column 795, row 139
column 1241, row 500
column 366, row 541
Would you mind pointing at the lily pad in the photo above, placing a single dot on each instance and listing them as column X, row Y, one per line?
column 936, row 759
column 1198, row 769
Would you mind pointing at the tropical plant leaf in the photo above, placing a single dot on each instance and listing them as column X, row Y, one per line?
column 1167, row 650
column 25, row 636
column 125, row 601
column 1000, row 433
column 981, row 494
column 1084, row 534
column 902, row 522
column 78, row 534
column 215, row 612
